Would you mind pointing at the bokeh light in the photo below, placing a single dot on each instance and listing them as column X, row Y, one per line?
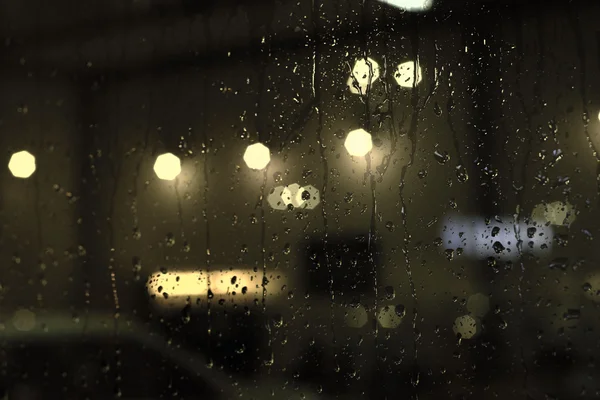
column 22, row 164
column 257, row 156
column 355, row 316
column 292, row 194
column 466, row 326
column 238, row 286
column 405, row 74
column 390, row 317
column 555, row 213
column 410, row 5
column 358, row 143
column 478, row 305
column 167, row 166
column 275, row 199
column 364, row 74
column 311, row 197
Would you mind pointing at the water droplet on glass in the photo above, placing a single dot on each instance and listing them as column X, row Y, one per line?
column 572, row 313
column 390, row 226
column 498, row 247
column 390, row 293
column 441, row 157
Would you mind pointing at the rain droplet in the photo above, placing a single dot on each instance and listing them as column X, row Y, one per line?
column 390, row 226
column 441, row 157
column 572, row 314
column 498, row 247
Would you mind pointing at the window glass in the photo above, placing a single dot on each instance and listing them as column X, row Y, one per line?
column 299, row 199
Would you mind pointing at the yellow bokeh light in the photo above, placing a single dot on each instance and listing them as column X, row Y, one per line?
column 257, row 156
column 236, row 285
column 358, row 143
column 466, row 326
column 22, row 164
column 405, row 74
column 167, row 166
column 364, row 74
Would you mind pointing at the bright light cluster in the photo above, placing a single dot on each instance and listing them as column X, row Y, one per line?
column 22, row 164
column 366, row 72
column 294, row 196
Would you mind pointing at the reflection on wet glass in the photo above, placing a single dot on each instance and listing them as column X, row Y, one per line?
column 257, row 156
column 364, row 74
column 167, row 166
column 358, row 143
column 22, row 164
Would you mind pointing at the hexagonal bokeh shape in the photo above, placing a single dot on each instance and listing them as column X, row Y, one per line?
column 405, row 74
column 22, row 164
column 292, row 194
column 257, row 156
column 390, row 317
column 364, row 74
column 355, row 316
column 358, row 143
column 478, row 305
column 466, row 326
column 275, row 199
column 167, row 166
column 311, row 197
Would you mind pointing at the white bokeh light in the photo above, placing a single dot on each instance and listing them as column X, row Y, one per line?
column 167, row 166
column 358, row 143
column 257, row 156
column 311, row 197
column 364, row 74
column 410, row 5
column 292, row 194
column 275, row 198
column 22, row 164
column 478, row 238
column 405, row 74
column 466, row 326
